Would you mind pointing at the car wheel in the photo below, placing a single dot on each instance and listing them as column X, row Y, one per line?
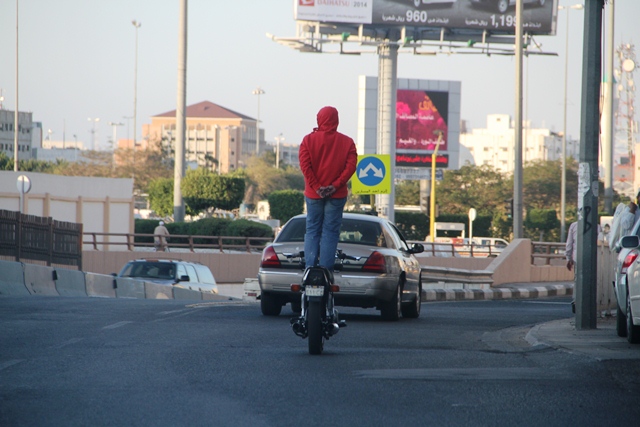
column 621, row 323
column 390, row 310
column 502, row 6
column 633, row 332
column 412, row 310
column 270, row 304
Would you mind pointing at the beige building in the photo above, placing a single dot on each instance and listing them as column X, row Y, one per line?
column 214, row 134
column 494, row 145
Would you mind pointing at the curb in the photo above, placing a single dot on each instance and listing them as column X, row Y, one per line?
column 512, row 292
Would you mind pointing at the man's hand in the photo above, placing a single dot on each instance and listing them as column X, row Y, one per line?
column 329, row 190
column 570, row 265
column 321, row 191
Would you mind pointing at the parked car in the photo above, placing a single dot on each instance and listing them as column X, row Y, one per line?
column 628, row 291
column 386, row 274
column 501, row 6
column 181, row 274
column 625, row 258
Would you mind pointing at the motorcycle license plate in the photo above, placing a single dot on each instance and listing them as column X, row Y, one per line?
column 314, row 291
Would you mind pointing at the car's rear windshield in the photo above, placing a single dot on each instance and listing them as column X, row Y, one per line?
column 352, row 231
column 149, row 270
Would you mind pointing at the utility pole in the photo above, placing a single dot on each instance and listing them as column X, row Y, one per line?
column 181, row 122
column 586, row 269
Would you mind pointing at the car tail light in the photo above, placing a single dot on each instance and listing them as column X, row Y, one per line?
column 295, row 287
column 629, row 259
column 375, row 263
column 334, row 288
column 270, row 258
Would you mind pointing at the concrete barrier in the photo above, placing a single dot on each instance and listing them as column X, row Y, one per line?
column 129, row 288
column 12, row 279
column 156, row 291
column 186, row 294
column 70, row 283
column 39, row 280
column 100, row 285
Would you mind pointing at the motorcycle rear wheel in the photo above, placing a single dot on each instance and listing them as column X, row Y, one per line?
column 314, row 327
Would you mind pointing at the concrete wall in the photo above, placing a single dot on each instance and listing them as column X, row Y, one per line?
column 103, row 205
column 226, row 268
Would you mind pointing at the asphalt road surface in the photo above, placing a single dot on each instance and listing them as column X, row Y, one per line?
column 98, row 361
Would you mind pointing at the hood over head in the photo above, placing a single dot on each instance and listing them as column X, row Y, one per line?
column 327, row 120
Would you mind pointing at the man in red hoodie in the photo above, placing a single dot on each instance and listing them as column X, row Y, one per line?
column 328, row 159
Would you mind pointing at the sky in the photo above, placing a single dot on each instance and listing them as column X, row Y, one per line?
column 77, row 62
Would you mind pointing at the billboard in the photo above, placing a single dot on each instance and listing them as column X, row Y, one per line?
column 539, row 16
column 420, row 116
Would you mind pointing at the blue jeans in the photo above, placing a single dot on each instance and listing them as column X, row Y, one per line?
column 324, row 218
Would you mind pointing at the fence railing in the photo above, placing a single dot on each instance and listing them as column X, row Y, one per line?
column 474, row 250
column 33, row 238
column 547, row 251
column 131, row 241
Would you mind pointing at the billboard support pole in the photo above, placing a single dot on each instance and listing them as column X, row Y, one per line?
column 386, row 135
column 517, row 166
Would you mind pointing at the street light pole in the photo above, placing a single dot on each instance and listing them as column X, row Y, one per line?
column 278, row 139
column 137, row 25
column 93, row 131
column 258, row 92
column 563, row 177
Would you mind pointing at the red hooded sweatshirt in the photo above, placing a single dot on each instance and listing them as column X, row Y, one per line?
column 327, row 157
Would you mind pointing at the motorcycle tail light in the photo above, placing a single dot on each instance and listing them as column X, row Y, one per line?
column 295, row 287
column 335, row 288
column 375, row 263
column 270, row 258
column 629, row 259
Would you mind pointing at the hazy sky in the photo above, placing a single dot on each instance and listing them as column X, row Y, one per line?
column 77, row 62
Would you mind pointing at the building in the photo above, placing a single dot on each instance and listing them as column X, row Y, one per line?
column 495, row 145
column 214, row 134
column 28, row 134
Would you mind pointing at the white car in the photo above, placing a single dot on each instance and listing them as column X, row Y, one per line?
column 624, row 260
column 417, row 3
column 501, row 6
column 628, row 291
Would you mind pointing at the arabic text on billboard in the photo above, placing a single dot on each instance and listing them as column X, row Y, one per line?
column 420, row 116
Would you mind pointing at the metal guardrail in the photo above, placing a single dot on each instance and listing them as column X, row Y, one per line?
column 437, row 249
column 547, row 251
column 101, row 241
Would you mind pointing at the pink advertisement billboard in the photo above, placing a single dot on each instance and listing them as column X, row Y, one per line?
column 420, row 116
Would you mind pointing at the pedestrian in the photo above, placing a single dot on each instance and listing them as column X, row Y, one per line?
column 327, row 159
column 622, row 224
column 160, row 237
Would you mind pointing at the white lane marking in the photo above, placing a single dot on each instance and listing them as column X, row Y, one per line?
column 66, row 343
column 117, row 325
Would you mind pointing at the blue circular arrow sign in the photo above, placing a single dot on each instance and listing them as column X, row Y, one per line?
column 371, row 171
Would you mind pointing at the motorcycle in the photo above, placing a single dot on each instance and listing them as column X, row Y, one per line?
column 319, row 320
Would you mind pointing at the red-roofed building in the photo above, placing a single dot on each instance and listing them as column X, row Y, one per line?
column 213, row 134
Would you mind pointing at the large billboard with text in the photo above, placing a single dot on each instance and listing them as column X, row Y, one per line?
column 538, row 16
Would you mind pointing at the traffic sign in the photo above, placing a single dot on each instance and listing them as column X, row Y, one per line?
column 373, row 174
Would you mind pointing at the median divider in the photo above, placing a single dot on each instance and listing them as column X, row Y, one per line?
column 186, row 294
column 156, row 291
column 100, row 285
column 70, row 283
column 39, row 280
column 129, row 288
column 12, row 278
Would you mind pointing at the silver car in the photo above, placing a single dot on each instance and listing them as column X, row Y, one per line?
column 380, row 271
column 628, row 291
column 626, row 257
column 501, row 6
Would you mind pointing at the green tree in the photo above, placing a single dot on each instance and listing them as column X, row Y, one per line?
column 479, row 187
column 407, row 192
column 285, row 204
column 203, row 190
column 161, row 196
column 539, row 222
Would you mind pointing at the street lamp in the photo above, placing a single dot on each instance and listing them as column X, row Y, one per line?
column 93, row 131
column 563, row 181
column 258, row 92
column 137, row 25
column 278, row 139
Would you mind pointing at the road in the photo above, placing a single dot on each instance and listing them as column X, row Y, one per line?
column 100, row 361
